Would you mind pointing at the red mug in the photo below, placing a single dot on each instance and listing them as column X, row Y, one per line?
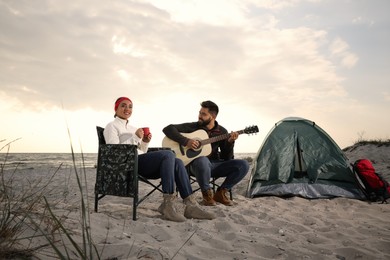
column 146, row 131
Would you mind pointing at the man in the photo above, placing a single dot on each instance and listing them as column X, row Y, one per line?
column 220, row 163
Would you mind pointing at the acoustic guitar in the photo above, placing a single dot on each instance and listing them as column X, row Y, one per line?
column 187, row 155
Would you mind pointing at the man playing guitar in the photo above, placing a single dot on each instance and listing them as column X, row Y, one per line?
column 217, row 162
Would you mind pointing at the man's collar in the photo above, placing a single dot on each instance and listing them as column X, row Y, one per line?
column 215, row 126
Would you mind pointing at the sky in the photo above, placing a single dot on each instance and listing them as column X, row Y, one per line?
column 64, row 63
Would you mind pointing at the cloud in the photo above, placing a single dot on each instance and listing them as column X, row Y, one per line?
column 361, row 20
column 216, row 12
column 386, row 96
column 65, row 53
column 269, row 58
column 280, row 4
column 340, row 50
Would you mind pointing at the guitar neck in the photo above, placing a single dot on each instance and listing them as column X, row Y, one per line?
column 218, row 138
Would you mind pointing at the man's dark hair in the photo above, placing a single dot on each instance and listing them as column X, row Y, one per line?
column 213, row 108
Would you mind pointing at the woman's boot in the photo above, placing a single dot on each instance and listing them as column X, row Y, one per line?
column 193, row 209
column 167, row 208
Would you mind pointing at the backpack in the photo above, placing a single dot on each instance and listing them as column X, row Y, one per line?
column 373, row 185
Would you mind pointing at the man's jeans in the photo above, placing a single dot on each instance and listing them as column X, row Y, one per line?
column 203, row 169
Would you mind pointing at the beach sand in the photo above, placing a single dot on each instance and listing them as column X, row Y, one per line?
column 259, row 228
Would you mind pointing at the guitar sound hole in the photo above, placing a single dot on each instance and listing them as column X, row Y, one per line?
column 193, row 153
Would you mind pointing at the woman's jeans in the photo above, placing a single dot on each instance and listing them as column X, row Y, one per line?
column 163, row 164
column 203, row 169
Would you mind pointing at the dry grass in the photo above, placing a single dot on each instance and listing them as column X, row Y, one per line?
column 361, row 142
column 27, row 215
column 15, row 211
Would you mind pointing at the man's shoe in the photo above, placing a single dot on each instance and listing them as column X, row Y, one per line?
column 221, row 197
column 208, row 198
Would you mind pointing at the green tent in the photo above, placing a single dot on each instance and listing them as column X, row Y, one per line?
column 298, row 158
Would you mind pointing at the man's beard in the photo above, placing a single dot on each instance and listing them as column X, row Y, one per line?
column 204, row 123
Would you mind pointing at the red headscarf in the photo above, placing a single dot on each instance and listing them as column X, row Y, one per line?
column 119, row 100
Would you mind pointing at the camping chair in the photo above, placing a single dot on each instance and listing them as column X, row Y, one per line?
column 117, row 172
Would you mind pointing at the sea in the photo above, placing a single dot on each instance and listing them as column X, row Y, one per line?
column 25, row 161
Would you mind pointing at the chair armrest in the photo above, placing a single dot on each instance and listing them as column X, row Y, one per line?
column 153, row 149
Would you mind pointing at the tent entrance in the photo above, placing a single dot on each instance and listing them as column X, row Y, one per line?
column 300, row 168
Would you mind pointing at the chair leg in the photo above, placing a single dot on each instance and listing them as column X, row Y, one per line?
column 214, row 185
column 96, row 202
column 155, row 187
column 136, row 195
column 135, row 204
column 192, row 181
column 146, row 196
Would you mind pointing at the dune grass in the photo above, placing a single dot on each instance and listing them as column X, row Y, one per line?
column 29, row 209
column 377, row 142
column 87, row 249
column 16, row 209
column 361, row 142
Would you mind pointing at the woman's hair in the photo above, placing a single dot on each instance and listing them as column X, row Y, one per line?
column 119, row 100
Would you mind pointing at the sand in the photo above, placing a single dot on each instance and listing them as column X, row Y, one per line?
column 259, row 228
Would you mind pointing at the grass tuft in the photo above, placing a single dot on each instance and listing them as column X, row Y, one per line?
column 361, row 142
column 29, row 210
column 15, row 209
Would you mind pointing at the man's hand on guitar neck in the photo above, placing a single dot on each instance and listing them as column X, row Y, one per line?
column 193, row 144
column 233, row 137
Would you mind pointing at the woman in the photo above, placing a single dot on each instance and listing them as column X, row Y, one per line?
column 157, row 164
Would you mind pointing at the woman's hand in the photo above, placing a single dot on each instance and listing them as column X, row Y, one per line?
column 147, row 138
column 140, row 134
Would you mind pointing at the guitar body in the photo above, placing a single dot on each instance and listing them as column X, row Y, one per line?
column 185, row 154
